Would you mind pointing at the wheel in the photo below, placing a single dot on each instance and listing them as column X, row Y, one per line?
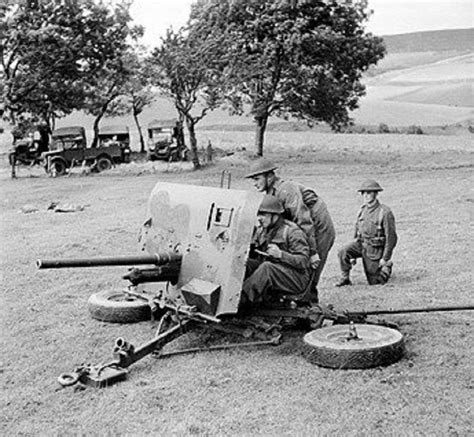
column 118, row 307
column 104, row 163
column 355, row 346
column 57, row 167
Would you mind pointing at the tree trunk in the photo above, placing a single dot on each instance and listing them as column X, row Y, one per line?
column 95, row 140
column 140, row 134
column 190, row 124
column 261, row 122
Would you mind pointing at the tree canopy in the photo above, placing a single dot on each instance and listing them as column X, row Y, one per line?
column 285, row 58
column 58, row 56
column 301, row 58
column 187, row 69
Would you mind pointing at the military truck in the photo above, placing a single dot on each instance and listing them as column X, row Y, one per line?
column 116, row 135
column 166, row 141
column 69, row 149
column 28, row 145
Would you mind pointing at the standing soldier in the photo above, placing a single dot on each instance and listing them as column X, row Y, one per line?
column 279, row 262
column 302, row 206
column 375, row 239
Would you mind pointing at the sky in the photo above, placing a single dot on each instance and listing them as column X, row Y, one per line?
column 389, row 17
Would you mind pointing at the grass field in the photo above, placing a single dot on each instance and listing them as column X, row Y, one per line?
column 271, row 391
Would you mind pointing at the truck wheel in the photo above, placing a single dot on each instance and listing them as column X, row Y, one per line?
column 57, row 167
column 104, row 163
column 357, row 346
column 118, row 307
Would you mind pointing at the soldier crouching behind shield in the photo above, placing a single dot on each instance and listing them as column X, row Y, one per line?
column 304, row 207
column 279, row 262
column 375, row 239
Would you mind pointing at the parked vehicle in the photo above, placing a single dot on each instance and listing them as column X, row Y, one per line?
column 69, row 149
column 27, row 149
column 116, row 135
column 166, row 141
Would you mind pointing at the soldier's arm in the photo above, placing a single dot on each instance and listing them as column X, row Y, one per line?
column 298, row 252
column 388, row 223
column 292, row 200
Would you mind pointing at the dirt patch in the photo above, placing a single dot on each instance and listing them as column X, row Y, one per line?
column 273, row 391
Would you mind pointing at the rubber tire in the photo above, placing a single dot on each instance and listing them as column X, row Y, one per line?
column 118, row 307
column 103, row 163
column 59, row 165
column 329, row 347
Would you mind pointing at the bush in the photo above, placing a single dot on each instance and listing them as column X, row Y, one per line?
column 414, row 130
column 383, row 128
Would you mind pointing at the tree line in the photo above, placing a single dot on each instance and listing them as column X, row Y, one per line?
column 284, row 58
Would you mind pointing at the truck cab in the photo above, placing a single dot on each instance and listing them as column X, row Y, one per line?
column 166, row 141
column 116, row 136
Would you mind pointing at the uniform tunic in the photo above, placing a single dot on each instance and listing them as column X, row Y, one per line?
column 323, row 227
column 290, row 274
column 290, row 196
column 375, row 239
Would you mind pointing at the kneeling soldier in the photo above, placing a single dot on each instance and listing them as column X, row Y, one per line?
column 375, row 239
column 281, row 256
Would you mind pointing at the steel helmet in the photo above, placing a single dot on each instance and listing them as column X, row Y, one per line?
column 370, row 185
column 261, row 166
column 271, row 204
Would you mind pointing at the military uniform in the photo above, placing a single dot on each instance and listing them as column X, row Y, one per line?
column 375, row 239
column 267, row 277
column 304, row 207
column 323, row 227
column 290, row 195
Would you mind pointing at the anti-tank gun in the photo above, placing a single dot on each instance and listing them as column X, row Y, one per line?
column 195, row 243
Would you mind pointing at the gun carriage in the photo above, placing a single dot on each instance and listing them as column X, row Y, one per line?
column 195, row 243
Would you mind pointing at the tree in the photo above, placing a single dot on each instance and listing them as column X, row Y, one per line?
column 138, row 92
column 59, row 55
column 114, row 60
column 301, row 58
column 188, row 70
column 40, row 74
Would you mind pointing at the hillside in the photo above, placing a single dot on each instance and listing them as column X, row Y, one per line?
column 431, row 41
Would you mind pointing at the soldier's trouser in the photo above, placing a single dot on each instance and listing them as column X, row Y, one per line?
column 266, row 279
column 373, row 272
column 324, row 233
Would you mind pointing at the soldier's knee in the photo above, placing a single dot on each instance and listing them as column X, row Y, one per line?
column 343, row 251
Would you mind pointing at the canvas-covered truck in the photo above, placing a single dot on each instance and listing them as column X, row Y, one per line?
column 69, row 149
column 116, row 135
column 166, row 141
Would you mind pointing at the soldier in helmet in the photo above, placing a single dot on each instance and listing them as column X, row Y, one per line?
column 304, row 207
column 375, row 239
column 279, row 258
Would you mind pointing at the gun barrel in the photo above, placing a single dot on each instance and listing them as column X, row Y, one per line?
column 156, row 259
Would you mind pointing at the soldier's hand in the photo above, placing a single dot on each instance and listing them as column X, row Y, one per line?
column 274, row 251
column 314, row 261
column 382, row 263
